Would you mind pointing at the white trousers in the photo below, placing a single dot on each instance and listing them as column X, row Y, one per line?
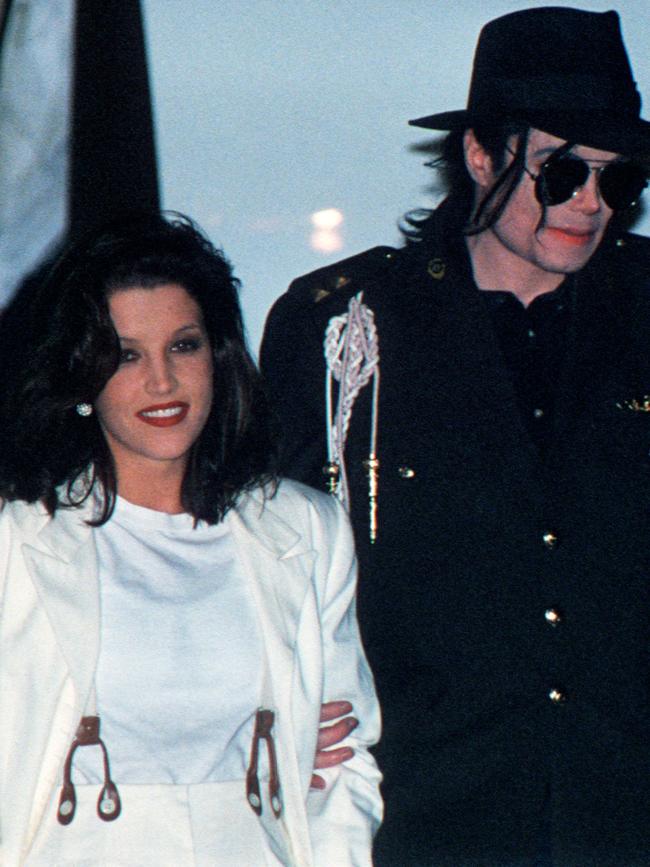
column 202, row 825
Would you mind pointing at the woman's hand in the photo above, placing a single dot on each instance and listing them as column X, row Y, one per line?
column 328, row 736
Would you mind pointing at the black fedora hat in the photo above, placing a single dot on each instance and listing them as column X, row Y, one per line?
column 564, row 71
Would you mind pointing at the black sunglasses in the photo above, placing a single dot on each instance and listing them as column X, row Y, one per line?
column 561, row 176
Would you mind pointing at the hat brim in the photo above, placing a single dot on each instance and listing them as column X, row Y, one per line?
column 446, row 120
column 594, row 130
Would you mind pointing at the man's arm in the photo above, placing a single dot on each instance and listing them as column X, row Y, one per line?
column 292, row 363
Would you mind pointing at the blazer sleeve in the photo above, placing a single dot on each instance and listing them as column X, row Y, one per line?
column 344, row 817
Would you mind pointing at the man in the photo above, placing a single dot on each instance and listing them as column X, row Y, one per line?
column 481, row 400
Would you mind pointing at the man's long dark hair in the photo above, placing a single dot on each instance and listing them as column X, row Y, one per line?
column 448, row 159
column 69, row 349
column 499, row 138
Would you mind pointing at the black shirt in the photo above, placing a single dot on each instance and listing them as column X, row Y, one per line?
column 533, row 341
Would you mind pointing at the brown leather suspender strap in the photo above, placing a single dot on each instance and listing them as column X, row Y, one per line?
column 263, row 724
column 108, row 803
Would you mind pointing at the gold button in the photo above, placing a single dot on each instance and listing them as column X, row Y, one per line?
column 553, row 616
column 406, row 472
column 436, row 269
column 557, row 696
column 550, row 540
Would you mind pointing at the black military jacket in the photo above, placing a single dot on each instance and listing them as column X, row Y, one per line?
column 504, row 605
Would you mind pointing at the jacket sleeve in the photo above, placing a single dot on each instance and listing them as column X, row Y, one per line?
column 293, row 366
column 344, row 817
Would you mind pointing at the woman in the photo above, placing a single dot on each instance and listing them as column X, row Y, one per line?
column 172, row 617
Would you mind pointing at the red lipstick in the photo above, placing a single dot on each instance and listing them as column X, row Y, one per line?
column 164, row 414
column 574, row 237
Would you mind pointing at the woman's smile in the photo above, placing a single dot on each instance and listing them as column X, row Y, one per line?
column 164, row 414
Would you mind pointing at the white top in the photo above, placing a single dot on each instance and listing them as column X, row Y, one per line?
column 179, row 675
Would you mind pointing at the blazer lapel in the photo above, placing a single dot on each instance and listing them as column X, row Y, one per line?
column 279, row 563
column 57, row 565
column 62, row 563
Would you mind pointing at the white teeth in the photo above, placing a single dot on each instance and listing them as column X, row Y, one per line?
column 163, row 413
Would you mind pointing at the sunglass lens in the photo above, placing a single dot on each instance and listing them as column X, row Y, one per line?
column 559, row 178
column 621, row 184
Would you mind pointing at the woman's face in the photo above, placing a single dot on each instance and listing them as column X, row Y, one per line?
column 157, row 402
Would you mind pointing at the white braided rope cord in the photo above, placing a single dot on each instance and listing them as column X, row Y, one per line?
column 352, row 354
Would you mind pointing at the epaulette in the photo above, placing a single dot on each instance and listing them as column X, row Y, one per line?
column 350, row 273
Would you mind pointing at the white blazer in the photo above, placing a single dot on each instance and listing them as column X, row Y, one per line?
column 299, row 546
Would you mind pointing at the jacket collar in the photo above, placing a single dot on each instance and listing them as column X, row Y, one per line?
column 62, row 536
column 258, row 512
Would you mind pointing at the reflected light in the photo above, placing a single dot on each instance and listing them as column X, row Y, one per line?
column 326, row 240
column 329, row 218
column 326, row 237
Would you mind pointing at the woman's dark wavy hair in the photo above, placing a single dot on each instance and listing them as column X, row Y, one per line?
column 69, row 350
column 448, row 158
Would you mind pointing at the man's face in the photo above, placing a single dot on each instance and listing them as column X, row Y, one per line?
column 525, row 246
